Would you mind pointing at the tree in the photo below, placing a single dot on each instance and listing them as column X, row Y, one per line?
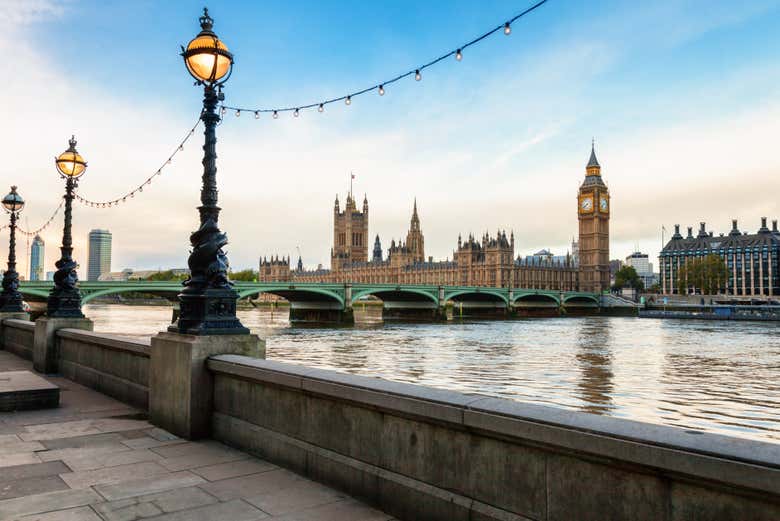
column 166, row 275
column 626, row 277
column 707, row 274
column 249, row 275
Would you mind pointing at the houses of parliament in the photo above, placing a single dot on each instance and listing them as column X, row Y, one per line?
column 488, row 260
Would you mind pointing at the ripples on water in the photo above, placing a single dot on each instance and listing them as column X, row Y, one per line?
column 713, row 376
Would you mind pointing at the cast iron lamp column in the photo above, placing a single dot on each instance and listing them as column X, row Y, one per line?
column 10, row 298
column 208, row 300
column 65, row 298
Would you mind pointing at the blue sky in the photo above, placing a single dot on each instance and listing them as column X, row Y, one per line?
column 683, row 99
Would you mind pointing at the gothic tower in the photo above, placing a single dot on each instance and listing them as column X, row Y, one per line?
column 593, row 207
column 414, row 238
column 350, row 233
column 377, row 256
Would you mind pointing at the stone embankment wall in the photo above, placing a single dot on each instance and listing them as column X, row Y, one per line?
column 118, row 367
column 425, row 453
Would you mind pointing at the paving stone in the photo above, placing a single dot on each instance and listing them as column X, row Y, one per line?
column 195, row 448
column 32, row 471
column 350, row 510
column 22, row 458
column 38, row 503
column 72, row 514
column 81, row 452
column 253, row 485
column 179, row 499
column 235, row 510
column 8, row 438
column 299, row 495
column 149, row 443
column 30, row 486
column 201, row 459
column 88, row 478
column 131, row 435
column 92, row 440
column 15, row 447
column 141, row 487
column 162, row 435
column 97, row 461
column 121, row 424
column 234, row 469
column 53, row 431
column 128, row 510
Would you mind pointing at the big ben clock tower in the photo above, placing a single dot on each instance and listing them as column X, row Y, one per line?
column 593, row 207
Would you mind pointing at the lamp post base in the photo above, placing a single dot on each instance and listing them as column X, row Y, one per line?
column 210, row 312
column 64, row 304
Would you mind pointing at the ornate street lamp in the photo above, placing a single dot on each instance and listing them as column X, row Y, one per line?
column 65, row 298
column 10, row 298
column 208, row 300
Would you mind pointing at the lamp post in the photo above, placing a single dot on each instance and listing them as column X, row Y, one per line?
column 65, row 298
column 10, row 298
column 208, row 300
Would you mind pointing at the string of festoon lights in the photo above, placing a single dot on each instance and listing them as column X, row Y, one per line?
column 380, row 88
column 140, row 188
column 45, row 225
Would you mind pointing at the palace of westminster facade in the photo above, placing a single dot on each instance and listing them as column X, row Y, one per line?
column 487, row 261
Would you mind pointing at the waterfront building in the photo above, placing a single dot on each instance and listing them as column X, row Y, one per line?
column 37, row 250
column 50, row 275
column 643, row 267
column 488, row 260
column 751, row 259
column 99, row 258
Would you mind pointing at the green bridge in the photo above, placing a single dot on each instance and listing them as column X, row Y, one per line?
column 334, row 301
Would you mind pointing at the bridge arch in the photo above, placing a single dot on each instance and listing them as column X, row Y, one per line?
column 88, row 295
column 478, row 294
column 294, row 294
column 581, row 299
column 398, row 293
column 536, row 298
column 36, row 292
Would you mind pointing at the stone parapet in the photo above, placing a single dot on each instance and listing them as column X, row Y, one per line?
column 423, row 453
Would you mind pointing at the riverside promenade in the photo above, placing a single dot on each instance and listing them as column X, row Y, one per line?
column 410, row 451
column 95, row 458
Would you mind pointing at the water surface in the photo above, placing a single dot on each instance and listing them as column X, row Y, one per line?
column 719, row 377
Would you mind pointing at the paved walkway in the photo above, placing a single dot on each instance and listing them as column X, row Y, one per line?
column 95, row 458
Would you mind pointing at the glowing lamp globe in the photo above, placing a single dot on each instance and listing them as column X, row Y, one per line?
column 70, row 163
column 13, row 202
column 207, row 58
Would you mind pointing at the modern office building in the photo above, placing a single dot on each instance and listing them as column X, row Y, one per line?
column 643, row 267
column 751, row 259
column 99, row 254
column 37, row 258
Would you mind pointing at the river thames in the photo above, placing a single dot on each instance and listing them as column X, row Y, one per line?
column 721, row 377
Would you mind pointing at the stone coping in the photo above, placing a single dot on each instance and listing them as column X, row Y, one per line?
column 713, row 457
column 19, row 324
column 140, row 347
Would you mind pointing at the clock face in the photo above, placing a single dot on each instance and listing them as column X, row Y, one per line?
column 586, row 204
column 603, row 204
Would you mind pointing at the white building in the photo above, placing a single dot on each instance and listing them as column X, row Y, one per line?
column 644, row 268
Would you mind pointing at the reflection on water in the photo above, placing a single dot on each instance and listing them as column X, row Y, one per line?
column 714, row 376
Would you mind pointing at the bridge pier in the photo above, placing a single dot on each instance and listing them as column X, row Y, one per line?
column 413, row 311
column 321, row 313
column 480, row 310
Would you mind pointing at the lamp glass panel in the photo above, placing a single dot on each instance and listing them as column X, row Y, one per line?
column 71, row 164
column 201, row 63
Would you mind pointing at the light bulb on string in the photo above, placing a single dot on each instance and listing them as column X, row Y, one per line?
column 348, row 101
column 276, row 115
column 238, row 113
column 223, row 111
column 295, row 113
column 381, row 90
column 257, row 115
column 417, row 75
column 507, row 29
column 321, row 108
column 458, row 55
column 181, row 147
